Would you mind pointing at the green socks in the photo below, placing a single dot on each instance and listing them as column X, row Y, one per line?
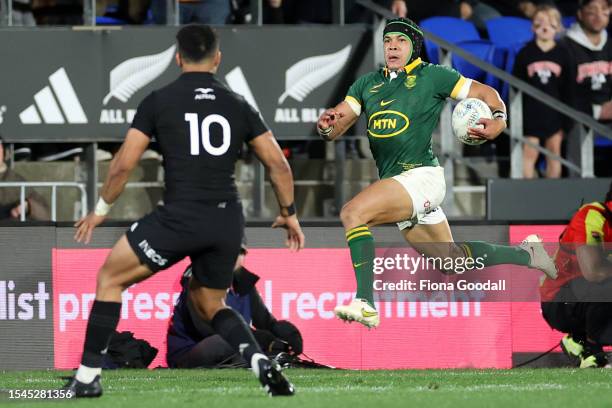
column 492, row 254
column 361, row 244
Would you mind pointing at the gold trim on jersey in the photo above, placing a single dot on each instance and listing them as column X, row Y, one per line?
column 388, row 122
column 408, row 68
column 458, row 86
column 351, row 98
column 375, row 89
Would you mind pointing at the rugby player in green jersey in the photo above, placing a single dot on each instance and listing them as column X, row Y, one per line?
column 402, row 103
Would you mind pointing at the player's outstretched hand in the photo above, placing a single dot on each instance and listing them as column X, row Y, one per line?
column 85, row 227
column 329, row 118
column 490, row 130
column 295, row 236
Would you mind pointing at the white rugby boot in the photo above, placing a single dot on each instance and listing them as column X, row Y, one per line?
column 359, row 310
column 538, row 257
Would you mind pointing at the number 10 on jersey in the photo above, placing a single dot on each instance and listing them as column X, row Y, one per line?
column 195, row 137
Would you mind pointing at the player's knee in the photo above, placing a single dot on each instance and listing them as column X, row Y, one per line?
column 107, row 281
column 351, row 216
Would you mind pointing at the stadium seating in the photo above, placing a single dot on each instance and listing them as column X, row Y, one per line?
column 509, row 34
column 602, row 141
column 504, row 32
column 568, row 21
column 451, row 29
column 482, row 49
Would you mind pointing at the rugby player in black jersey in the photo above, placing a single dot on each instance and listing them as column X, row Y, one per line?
column 200, row 126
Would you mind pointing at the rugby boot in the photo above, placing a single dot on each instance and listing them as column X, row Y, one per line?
column 82, row 390
column 359, row 310
column 538, row 257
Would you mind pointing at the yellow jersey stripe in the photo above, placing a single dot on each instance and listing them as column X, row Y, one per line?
column 458, row 87
column 357, row 229
column 361, row 234
column 594, row 223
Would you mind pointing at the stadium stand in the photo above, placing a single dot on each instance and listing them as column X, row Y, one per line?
column 451, row 29
column 507, row 34
column 484, row 50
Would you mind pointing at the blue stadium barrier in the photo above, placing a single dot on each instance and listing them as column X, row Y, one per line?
column 451, row 29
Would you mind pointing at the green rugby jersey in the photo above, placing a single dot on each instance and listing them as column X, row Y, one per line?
column 403, row 112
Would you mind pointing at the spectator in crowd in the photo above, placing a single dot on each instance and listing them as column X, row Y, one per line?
column 543, row 64
column 589, row 59
column 590, row 55
column 193, row 343
column 10, row 208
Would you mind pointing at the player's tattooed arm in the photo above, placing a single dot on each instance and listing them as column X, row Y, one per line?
column 334, row 122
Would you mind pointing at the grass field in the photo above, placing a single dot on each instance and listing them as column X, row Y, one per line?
column 325, row 388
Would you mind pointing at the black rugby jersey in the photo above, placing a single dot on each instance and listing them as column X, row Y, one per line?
column 200, row 126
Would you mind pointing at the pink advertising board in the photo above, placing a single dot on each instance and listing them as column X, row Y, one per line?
column 304, row 288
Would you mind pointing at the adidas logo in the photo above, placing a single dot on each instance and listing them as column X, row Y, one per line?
column 46, row 103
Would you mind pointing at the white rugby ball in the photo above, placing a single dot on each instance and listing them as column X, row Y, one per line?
column 466, row 115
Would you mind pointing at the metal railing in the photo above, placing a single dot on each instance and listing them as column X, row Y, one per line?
column 22, row 185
